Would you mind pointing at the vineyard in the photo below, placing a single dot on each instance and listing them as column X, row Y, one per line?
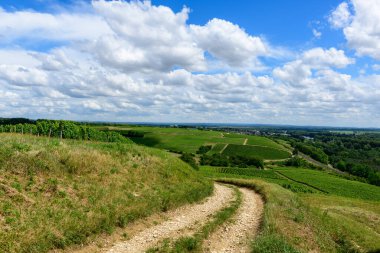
column 216, row 149
column 334, row 184
column 260, row 152
column 64, row 130
column 250, row 173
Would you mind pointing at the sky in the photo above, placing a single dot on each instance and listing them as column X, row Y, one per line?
column 246, row 61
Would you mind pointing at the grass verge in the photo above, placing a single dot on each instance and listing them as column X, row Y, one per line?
column 290, row 225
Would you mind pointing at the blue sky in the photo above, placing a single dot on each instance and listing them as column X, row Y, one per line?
column 283, row 62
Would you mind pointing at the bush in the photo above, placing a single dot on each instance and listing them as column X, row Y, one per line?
column 204, row 149
column 189, row 159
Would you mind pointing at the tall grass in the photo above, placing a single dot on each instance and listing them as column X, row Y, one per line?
column 57, row 193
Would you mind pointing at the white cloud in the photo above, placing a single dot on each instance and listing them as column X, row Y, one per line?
column 361, row 28
column 44, row 26
column 147, row 37
column 341, row 16
column 21, row 76
column 317, row 34
column 300, row 71
column 320, row 58
column 146, row 63
column 228, row 42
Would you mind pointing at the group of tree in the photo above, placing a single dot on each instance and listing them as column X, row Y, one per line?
column 231, row 161
column 63, row 129
column 189, row 159
column 357, row 153
column 314, row 152
column 204, row 149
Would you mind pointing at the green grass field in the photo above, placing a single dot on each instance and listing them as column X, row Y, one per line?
column 360, row 218
column 253, row 173
column 189, row 140
column 262, row 141
column 261, row 152
column 57, row 193
column 333, row 184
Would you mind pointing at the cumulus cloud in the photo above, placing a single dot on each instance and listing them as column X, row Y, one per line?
column 341, row 16
column 134, row 61
column 22, row 76
column 228, row 42
column 300, row 71
column 147, row 37
column 361, row 27
column 45, row 26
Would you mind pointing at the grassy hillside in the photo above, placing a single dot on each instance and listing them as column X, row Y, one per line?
column 261, row 152
column 292, row 225
column 189, row 140
column 53, row 194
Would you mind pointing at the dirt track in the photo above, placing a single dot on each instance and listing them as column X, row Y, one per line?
column 231, row 237
column 188, row 218
column 235, row 236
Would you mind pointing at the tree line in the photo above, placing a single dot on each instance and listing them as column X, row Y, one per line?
column 357, row 154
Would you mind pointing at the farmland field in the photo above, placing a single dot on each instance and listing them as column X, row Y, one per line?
column 264, row 152
column 334, row 184
column 262, row 141
column 249, row 173
column 189, row 140
column 217, row 148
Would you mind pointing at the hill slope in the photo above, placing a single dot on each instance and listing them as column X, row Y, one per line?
column 53, row 194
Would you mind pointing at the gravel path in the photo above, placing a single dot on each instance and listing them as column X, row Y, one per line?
column 235, row 237
column 188, row 217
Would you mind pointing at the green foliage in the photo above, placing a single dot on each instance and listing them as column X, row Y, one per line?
column 189, row 158
column 204, row 149
column 312, row 151
column 231, row 161
column 259, row 152
column 64, row 129
column 299, row 162
column 355, row 153
column 272, row 243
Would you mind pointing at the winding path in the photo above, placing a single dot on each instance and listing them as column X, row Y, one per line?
column 188, row 217
column 235, row 237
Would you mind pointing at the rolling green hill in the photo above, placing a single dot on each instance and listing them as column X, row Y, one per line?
column 261, row 152
column 189, row 140
column 57, row 193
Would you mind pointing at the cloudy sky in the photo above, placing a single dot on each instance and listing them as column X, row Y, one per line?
column 280, row 62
